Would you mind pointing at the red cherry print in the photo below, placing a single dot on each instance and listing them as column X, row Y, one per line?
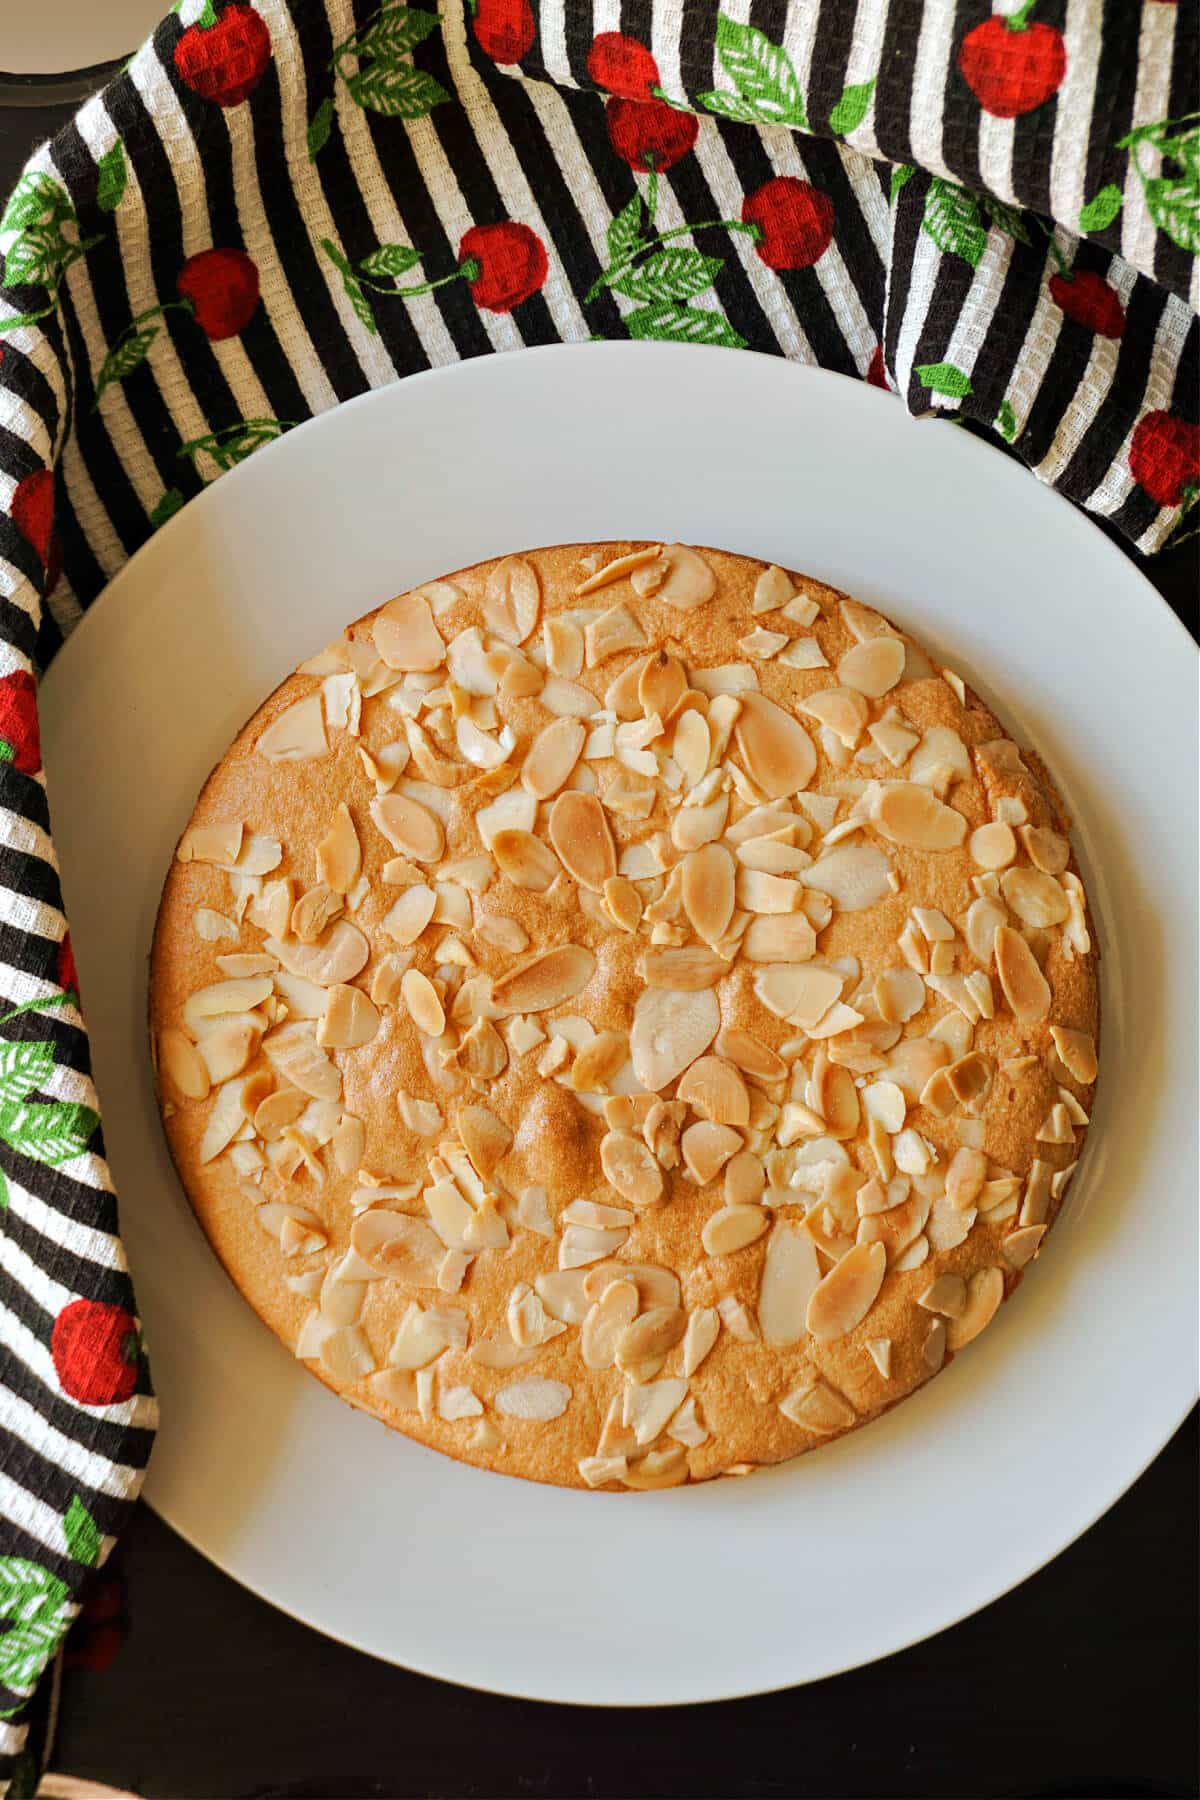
column 876, row 369
column 1088, row 299
column 65, row 970
column 794, row 219
column 95, row 1349
column 1164, row 458
column 224, row 61
column 623, row 66
column 20, row 740
column 504, row 29
column 648, row 134
column 1011, row 69
column 33, row 510
column 507, row 264
column 222, row 286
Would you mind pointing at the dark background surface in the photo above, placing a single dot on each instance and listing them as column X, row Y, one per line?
column 1083, row 1681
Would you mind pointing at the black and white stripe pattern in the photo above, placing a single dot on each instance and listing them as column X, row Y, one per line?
column 890, row 297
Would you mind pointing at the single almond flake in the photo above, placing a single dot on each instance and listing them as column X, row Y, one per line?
column 1077, row 1053
column 339, row 956
column 653, row 1334
column 844, row 1297
column 686, row 969
column 933, row 1350
column 297, row 734
column 670, row 1030
column 618, row 569
column 946, row 1294
column 1038, row 900
column 839, row 710
column 750, row 1054
column 213, row 927
column 580, row 834
column 790, row 1277
column 545, row 979
column 423, row 1002
column 678, row 575
column 708, row 885
column 409, row 827
column 965, row 1177
column 1025, row 987
column 604, row 1322
column 777, row 752
column 182, row 1064
column 854, row 876
column 818, row 1408
column 339, row 857
column 512, row 599
column 614, row 631
column 630, row 1168
column 873, row 667
column 534, row 1399
column 563, row 644
column 880, row 1352
column 349, row 1021
column 407, row 918
column 707, row 1148
column 1046, row 849
column 745, row 1179
column 801, row 993
column 406, row 636
column 715, row 1090
column 485, row 1137
column 211, row 844
column 908, row 814
column 525, row 860
column 622, row 902
column 835, row 1097
column 774, row 588
column 551, row 757
column 992, row 846
column 984, row 1292
column 1022, row 1245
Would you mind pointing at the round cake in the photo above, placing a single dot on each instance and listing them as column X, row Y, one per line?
column 624, row 1014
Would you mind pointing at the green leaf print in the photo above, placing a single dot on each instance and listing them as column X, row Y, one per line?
column 667, row 323
column 768, row 92
column 1006, row 422
column 390, row 259
column 37, row 200
column 396, row 31
column 851, row 109
column 34, row 1605
column 319, row 129
column 166, row 507
column 1172, row 195
column 668, row 275
column 902, row 174
column 113, row 177
column 1007, row 219
column 82, row 1533
column 24, row 1068
column 37, row 258
column 953, row 220
column 625, row 231
column 944, row 378
column 1100, row 212
column 353, row 287
column 51, row 1134
column 124, row 357
column 398, row 91
column 234, row 443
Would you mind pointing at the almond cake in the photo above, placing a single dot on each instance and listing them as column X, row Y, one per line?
column 623, row 1014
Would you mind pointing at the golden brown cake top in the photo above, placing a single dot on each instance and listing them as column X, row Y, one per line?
column 624, row 1014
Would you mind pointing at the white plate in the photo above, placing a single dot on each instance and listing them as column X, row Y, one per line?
column 901, row 1529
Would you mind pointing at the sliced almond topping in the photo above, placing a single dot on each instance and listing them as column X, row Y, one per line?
column 614, row 631
column 512, row 599
column 182, row 1064
column 552, row 756
column 604, row 1323
column 992, row 846
column 708, row 891
column 880, row 1352
column 409, row 827
column 707, row 1148
column 1037, row 899
column 818, row 1408
column 670, row 1030
column 221, row 997
column 773, row 588
column 630, row 1168
column 296, row 734
column 652, row 1335
column 984, row 1292
column 855, row 876
column 1077, row 1052
column 691, row 745
column 678, row 575
column 545, row 979
column 339, row 858
column 410, row 914
column 745, row 1179
column 580, row 834
column 406, row 636
column 839, row 710
column 933, row 1351
column 1022, row 1245
column 622, row 902
column 398, row 1246
column 563, row 642
column 211, row 844
column 1045, row 849
column 349, row 1020
column 908, row 814
column 965, row 1177
column 618, row 569
column 485, row 1138
column 315, row 911
column 597, row 1063
column 946, row 1294
column 1025, row 987
column 527, row 862
column 847, row 1293
column 423, row 1003
column 277, row 1111
column 533, row 1398
column 777, row 752
column 714, row 1089
column 873, row 667
column 789, row 1279
column 801, row 993
column 686, row 970
column 835, row 1097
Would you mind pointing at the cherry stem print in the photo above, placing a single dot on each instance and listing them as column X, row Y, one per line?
column 1019, row 20
column 635, row 247
column 502, row 265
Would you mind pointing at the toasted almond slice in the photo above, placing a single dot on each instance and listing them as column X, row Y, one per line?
column 847, row 1293
column 708, row 886
column 908, row 814
column 533, row 1398
column 965, row 1177
column 840, row 710
column 597, row 1063
column 802, row 993
column 818, row 1408
column 670, row 1030
column 777, row 752
column 213, row 927
column 618, row 569
column 547, row 978
column 622, row 902
column 678, row 575
column 211, row 844
column 423, row 1002
column 750, row 1054
column 946, row 1294
column 406, row 636
column 1045, row 849
column 652, row 1335
column 745, row 1179
column 604, row 1322
column 1021, row 1245
column 315, row 911
column 580, row 834
column 685, row 970
column 409, row 827
column 873, row 667
column 631, row 1169
column 1037, row 899
column 789, row 1279
column 1025, row 987
column 835, row 1096
column 855, row 876
column 407, row 918
column 714, row 1089
column 779, row 938
column 221, row 997
column 707, row 1148
column 182, row 1064
column 992, row 846
column 297, row 1057
column 277, row 1111
column 512, row 599
column 984, row 1292
column 774, row 588
column 1077, row 1053
column 614, row 631
column 525, row 860
column 350, row 1019
column 339, row 956
column 297, row 734
column 339, row 858
column 552, row 756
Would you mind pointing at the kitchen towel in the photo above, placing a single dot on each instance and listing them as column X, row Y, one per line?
column 993, row 213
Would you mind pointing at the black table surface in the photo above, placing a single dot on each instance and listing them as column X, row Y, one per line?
column 1083, row 1681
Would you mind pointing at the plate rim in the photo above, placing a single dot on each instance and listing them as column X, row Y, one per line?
column 130, row 574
